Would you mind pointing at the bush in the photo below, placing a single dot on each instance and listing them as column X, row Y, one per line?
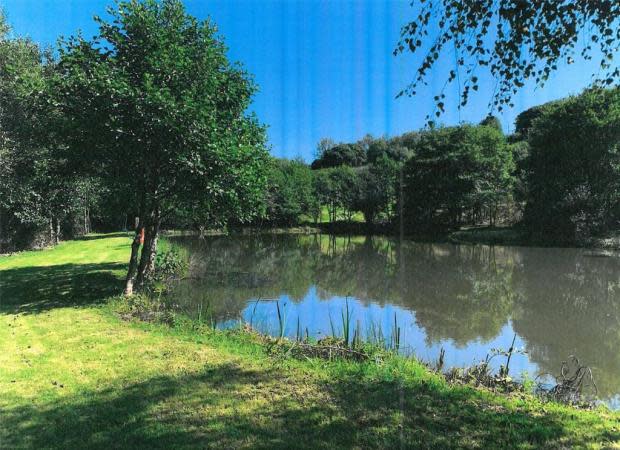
column 145, row 308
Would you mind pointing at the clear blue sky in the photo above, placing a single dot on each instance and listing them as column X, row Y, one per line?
column 324, row 68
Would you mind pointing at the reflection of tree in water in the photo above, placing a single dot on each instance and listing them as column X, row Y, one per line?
column 463, row 293
column 225, row 272
column 560, row 302
column 364, row 270
column 570, row 305
column 459, row 293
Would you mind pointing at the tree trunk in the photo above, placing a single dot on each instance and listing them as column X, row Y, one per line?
column 133, row 260
column 86, row 221
column 57, row 234
column 51, row 231
column 149, row 249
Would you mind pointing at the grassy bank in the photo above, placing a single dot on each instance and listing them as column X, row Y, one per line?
column 74, row 375
column 490, row 236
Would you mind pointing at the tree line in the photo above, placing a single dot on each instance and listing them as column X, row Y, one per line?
column 149, row 120
column 556, row 177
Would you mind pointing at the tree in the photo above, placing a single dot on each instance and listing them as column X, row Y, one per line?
column 322, row 192
column 341, row 155
column 492, row 121
column 457, row 171
column 324, row 145
column 573, row 184
column 377, row 149
column 345, row 185
column 38, row 193
column 407, row 140
column 393, row 149
column 525, row 120
column 290, row 191
column 514, row 40
column 153, row 102
column 336, row 188
column 376, row 191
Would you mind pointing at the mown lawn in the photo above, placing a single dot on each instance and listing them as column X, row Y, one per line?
column 73, row 375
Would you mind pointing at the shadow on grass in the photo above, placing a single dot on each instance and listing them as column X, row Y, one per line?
column 93, row 237
column 227, row 406
column 35, row 289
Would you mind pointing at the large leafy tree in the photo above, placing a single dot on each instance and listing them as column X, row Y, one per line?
column 290, row 191
column 573, row 167
column 393, row 149
column 336, row 188
column 153, row 102
column 513, row 40
column 21, row 203
column 38, row 192
column 457, row 171
column 376, row 189
column 352, row 155
column 345, row 185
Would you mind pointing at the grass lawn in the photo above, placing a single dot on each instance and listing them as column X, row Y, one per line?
column 324, row 218
column 73, row 375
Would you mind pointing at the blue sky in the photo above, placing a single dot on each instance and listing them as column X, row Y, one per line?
column 324, row 68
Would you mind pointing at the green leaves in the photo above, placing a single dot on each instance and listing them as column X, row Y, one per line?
column 162, row 110
column 514, row 40
column 573, row 166
column 457, row 171
column 291, row 192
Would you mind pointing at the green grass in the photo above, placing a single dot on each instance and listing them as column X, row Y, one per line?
column 324, row 217
column 73, row 375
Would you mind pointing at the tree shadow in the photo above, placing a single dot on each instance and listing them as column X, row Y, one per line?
column 94, row 237
column 429, row 416
column 227, row 406
column 39, row 288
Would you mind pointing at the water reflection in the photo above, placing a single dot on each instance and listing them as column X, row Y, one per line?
column 467, row 299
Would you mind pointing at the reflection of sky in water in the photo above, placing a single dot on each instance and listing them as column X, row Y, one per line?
column 465, row 299
column 314, row 314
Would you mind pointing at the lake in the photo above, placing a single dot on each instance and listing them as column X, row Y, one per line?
column 466, row 299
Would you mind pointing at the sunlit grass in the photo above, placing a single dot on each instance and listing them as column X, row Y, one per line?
column 324, row 216
column 73, row 375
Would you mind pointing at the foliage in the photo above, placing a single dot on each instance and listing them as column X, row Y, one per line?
column 290, row 192
column 516, row 41
column 520, row 155
column 341, row 193
column 341, row 154
column 322, row 191
column 152, row 101
column 394, row 149
column 39, row 192
column 492, row 121
column 376, row 192
column 573, row 182
column 323, row 146
column 457, row 171
column 525, row 120
column 170, row 264
column 146, row 308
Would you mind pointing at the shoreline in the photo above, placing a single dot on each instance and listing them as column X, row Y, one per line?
column 502, row 236
column 69, row 362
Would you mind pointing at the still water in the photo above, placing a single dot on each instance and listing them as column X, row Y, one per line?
column 466, row 299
